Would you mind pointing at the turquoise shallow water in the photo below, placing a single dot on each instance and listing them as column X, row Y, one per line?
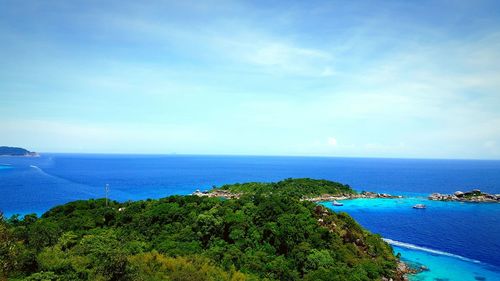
column 455, row 241
column 443, row 267
column 404, row 205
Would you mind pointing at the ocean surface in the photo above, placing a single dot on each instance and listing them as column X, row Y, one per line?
column 456, row 241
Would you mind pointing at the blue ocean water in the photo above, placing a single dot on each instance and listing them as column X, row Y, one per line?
column 471, row 231
column 456, row 241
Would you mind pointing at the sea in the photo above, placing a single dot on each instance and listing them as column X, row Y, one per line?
column 452, row 241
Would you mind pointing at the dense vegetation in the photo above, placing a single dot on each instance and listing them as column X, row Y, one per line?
column 271, row 236
column 291, row 187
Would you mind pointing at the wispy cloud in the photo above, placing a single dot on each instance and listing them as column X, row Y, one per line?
column 386, row 79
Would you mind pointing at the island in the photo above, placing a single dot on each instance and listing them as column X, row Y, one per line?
column 320, row 191
column 473, row 196
column 16, row 151
column 363, row 194
column 266, row 233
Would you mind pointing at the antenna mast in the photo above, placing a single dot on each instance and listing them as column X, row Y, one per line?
column 107, row 192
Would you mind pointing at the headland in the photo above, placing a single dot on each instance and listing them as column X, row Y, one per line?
column 17, row 151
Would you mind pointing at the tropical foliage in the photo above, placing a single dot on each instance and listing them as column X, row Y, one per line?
column 261, row 236
column 291, row 187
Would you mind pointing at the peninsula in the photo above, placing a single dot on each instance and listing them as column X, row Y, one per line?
column 16, row 151
column 268, row 233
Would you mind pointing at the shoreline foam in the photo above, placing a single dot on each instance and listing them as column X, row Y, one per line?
column 428, row 250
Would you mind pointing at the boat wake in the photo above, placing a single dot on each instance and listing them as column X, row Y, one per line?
column 84, row 189
column 423, row 249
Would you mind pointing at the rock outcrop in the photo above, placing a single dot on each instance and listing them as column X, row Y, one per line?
column 473, row 196
column 217, row 193
column 364, row 194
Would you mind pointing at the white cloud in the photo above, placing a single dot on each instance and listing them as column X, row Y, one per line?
column 435, row 93
column 228, row 42
column 286, row 57
column 332, row 141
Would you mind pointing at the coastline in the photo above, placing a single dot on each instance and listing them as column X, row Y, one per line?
column 316, row 222
column 437, row 266
column 409, row 188
column 473, row 196
column 431, row 261
column 321, row 198
column 364, row 195
column 403, row 270
column 415, row 265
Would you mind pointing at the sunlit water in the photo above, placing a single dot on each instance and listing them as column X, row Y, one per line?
column 444, row 237
column 470, row 231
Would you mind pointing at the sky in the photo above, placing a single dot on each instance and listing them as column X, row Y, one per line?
column 409, row 79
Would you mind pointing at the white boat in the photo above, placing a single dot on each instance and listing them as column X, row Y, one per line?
column 335, row 203
column 419, row 206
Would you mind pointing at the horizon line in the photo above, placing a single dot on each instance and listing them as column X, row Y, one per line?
column 266, row 155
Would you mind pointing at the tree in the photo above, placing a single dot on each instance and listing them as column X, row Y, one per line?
column 43, row 233
column 8, row 250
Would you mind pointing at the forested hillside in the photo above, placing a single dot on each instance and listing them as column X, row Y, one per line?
column 291, row 187
column 261, row 236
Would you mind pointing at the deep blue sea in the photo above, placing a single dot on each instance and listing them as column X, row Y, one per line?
column 443, row 236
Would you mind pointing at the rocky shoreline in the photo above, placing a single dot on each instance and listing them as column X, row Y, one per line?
column 473, row 196
column 364, row 194
column 218, row 193
column 404, row 269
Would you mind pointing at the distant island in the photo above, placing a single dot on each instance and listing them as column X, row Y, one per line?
column 16, row 151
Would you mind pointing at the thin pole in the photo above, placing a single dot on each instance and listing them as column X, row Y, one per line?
column 107, row 191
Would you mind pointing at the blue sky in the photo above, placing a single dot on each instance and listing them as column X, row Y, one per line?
column 330, row 78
